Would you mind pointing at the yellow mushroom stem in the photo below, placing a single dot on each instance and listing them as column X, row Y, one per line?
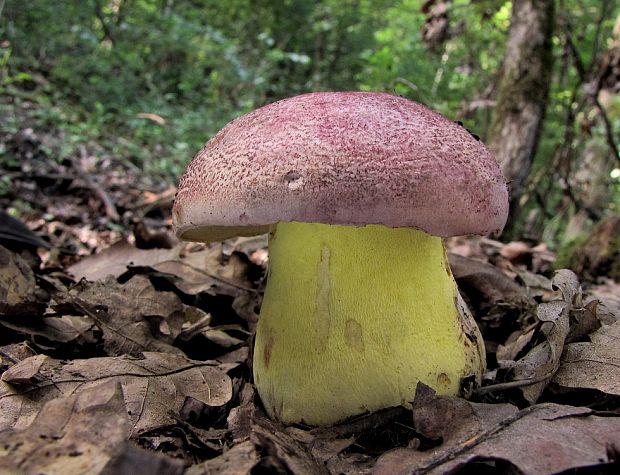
column 354, row 317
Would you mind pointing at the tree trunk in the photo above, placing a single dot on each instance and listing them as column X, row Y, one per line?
column 591, row 186
column 522, row 94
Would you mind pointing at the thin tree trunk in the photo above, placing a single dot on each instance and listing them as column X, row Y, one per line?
column 522, row 94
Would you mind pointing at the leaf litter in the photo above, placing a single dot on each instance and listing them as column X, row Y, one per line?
column 593, row 364
column 155, row 386
column 150, row 349
column 85, row 432
column 541, row 439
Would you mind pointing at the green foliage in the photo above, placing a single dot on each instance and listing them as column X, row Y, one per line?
column 195, row 64
column 566, row 251
column 401, row 62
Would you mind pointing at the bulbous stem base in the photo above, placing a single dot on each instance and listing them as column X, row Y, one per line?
column 354, row 317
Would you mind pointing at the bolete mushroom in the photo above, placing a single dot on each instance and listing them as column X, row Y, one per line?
column 357, row 190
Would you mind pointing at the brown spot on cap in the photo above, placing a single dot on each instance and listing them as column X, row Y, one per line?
column 351, row 158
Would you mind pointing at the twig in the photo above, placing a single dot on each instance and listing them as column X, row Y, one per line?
column 592, row 214
column 511, row 385
column 609, row 134
column 110, row 208
column 220, row 279
column 605, row 4
column 107, row 31
column 583, row 74
column 469, row 444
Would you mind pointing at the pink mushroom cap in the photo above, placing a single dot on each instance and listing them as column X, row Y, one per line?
column 348, row 158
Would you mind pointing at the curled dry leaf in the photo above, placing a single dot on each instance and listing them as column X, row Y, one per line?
column 79, row 433
column 263, row 446
column 115, row 259
column 567, row 282
column 536, row 285
column 18, row 290
column 281, row 453
column 223, row 339
column 533, row 372
column 608, row 297
column 155, row 386
column 584, row 320
column 516, row 342
column 14, row 353
column 50, row 331
column 484, row 283
column 26, row 372
column 594, row 364
column 232, row 272
column 542, row 439
column 134, row 317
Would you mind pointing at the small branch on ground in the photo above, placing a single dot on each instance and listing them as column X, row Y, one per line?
column 110, row 208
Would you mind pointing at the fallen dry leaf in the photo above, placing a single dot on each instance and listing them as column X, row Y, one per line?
column 134, row 317
column 79, row 433
column 26, row 372
column 515, row 343
column 533, row 371
column 231, row 271
column 542, row 439
column 14, row 353
column 536, row 285
column 280, row 452
column 608, row 296
column 131, row 459
column 18, row 290
column 115, row 259
column 49, row 331
column 155, row 386
column 594, row 364
column 546, row 439
column 484, row 283
column 434, row 416
column 239, row 460
column 584, row 320
column 191, row 269
column 191, row 280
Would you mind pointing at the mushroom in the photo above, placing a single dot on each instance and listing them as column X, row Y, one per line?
column 357, row 191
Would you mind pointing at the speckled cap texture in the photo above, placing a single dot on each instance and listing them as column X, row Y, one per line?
column 350, row 158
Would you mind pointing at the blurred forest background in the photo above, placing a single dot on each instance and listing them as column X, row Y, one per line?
column 142, row 84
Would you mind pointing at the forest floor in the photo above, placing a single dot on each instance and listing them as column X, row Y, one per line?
column 123, row 350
